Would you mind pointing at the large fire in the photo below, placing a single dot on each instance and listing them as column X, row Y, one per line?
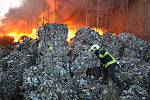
column 17, row 35
column 24, row 21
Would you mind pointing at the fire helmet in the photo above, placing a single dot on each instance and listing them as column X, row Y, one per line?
column 94, row 48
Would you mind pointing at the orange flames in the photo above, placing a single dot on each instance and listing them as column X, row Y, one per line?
column 18, row 35
column 25, row 25
column 25, row 19
column 33, row 34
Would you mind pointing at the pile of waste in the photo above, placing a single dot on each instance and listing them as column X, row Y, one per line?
column 81, row 58
column 50, row 68
column 12, row 67
column 134, row 76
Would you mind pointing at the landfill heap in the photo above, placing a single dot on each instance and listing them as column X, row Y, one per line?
column 12, row 67
column 50, row 69
column 51, row 77
column 133, row 70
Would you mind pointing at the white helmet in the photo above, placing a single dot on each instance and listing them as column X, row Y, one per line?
column 94, row 48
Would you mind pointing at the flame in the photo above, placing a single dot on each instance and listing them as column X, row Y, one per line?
column 99, row 31
column 33, row 35
column 71, row 35
column 18, row 35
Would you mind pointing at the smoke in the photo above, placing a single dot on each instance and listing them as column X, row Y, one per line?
column 65, row 11
column 75, row 11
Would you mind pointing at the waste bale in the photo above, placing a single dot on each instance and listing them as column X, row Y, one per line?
column 53, row 45
column 48, row 79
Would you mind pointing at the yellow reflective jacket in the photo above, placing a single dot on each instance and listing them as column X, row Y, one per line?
column 106, row 58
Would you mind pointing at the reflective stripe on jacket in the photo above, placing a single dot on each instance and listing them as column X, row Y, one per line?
column 106, row 58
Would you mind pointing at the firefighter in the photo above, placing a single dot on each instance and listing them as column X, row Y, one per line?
column 108, row 63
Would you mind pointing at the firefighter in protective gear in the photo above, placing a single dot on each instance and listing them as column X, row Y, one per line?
column 108, row 63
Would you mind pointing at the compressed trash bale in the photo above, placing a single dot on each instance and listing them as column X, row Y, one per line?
column 47, row 79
